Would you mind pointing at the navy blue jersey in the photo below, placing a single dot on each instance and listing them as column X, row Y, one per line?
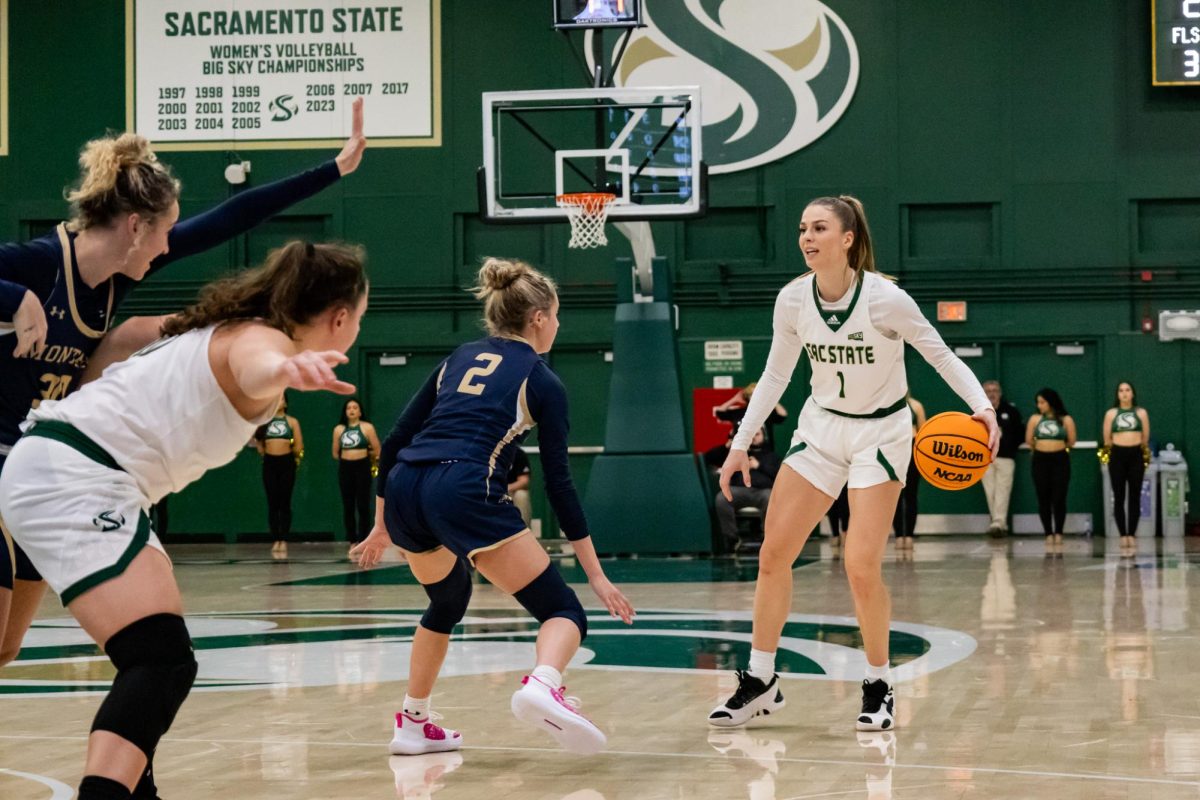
column 79, row 315
column 478, row 406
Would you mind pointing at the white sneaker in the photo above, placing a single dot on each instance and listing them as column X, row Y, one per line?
column 879, row 756
column 877, row 707
column 752, row 698
column 545, row 708
column 763, row 752
column 418, row 777
column 412, row 737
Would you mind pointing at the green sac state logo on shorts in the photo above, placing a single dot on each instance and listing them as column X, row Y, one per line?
column 269, row 650
column 108, row 520
column 774, row 75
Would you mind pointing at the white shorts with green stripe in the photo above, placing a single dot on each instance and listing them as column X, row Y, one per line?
column 80, row 521
column 832, row 451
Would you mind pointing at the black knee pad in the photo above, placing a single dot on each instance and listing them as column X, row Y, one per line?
column 548, row 596
column 448, row 599
column 155, row 670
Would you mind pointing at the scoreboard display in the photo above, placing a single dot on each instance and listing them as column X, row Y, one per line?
column 1175, row 28
column 570, row 14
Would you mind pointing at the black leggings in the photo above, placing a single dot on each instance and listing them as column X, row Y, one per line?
column 904, row 522
column 839, row 513
column 279, row 478
column 354, row 479
column 1051, row 476
column 1125, row 469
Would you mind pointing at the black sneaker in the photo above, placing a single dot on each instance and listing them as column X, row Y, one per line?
column 753, row 697
column 876, row 707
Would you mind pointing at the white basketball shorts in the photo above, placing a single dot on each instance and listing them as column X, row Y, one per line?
column 80, row 521
column 831, row 451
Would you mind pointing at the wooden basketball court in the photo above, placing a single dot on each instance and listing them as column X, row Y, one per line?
column 1018, row 675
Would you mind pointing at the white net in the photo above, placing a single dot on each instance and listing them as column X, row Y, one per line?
column 587, row 212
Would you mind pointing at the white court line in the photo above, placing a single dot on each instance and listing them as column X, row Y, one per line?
column 58, row 789
column 860, row 791
column 1031, row 773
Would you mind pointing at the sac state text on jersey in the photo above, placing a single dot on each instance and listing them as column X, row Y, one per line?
column 841, row 353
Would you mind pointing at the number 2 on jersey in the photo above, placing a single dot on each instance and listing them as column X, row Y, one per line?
column 467, row 385
column 842, row 381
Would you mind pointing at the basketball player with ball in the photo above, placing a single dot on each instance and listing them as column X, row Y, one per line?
column 855, row 429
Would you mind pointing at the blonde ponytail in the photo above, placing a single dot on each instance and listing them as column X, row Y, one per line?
column 120, row 175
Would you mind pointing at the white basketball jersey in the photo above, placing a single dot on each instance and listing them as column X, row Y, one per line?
column 160, row 414
column 855, row 369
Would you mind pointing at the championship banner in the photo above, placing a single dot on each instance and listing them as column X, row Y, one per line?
column 282, row 74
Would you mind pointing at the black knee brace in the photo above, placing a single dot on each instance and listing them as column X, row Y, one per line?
column 448, row 599
column 155, row 670
column 548, row 596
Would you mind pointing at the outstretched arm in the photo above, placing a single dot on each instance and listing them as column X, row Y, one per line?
column 264, row 362
column 247, row 209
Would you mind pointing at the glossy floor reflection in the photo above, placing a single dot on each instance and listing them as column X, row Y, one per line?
column 1019, row 675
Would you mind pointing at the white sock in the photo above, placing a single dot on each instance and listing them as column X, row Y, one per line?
column 548, row 675
column 883, row 673
column 762, row 665
column 417, row 709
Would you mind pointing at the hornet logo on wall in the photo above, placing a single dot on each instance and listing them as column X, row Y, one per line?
column 284, row 107
column 774, row 75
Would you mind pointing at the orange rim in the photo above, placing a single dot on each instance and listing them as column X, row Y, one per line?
column 586, row 199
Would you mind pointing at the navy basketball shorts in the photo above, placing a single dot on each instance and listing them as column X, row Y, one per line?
column 450, row 504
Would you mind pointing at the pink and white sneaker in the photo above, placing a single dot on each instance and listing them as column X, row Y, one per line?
column 547, row 709
column 413, row 737
column 419, row 777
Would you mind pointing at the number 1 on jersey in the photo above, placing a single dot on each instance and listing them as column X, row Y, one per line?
column 842, row 381
column 491, row 362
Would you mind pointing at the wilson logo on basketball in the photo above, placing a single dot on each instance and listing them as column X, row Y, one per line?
column 956, row 451
column 774, row 75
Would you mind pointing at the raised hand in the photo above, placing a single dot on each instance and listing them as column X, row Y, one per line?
column 351, row 155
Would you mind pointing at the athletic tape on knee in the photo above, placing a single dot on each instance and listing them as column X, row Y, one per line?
column 448, row 599
column 155, row 670
column 548, row 596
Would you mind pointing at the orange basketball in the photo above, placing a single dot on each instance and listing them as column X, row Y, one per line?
column 951, row 450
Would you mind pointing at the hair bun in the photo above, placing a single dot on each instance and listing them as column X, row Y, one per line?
column 498, row 274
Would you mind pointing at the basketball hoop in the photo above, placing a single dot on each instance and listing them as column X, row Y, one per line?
column 587, row 212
